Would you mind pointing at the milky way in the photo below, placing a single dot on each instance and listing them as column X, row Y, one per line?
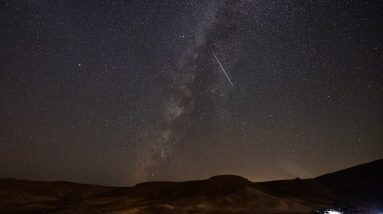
column 190, row 82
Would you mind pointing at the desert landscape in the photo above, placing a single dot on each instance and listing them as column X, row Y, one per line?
column 358, row 188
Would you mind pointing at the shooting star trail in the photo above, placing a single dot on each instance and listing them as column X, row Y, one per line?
column 228, row 78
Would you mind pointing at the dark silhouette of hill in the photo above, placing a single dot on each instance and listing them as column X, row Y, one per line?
column 214, row 186
column 360, row 185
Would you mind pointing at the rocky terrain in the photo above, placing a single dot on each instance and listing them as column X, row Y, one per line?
column 360, row 186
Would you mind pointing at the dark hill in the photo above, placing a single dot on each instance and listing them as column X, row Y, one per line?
column 360, row 185
column 214, row 186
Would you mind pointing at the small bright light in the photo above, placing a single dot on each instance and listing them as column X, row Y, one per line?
column 333, row 212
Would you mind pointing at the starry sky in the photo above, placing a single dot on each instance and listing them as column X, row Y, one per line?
column 121, row 92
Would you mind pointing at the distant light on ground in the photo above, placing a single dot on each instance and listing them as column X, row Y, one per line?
column 332, row 212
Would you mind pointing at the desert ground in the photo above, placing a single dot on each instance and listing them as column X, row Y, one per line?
column 359, row 188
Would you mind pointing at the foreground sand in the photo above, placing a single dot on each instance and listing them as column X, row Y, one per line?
column 358, row 187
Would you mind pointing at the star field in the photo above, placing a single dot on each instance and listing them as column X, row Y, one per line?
column 120, row 92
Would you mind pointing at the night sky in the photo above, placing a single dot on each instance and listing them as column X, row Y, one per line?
column 121, row 92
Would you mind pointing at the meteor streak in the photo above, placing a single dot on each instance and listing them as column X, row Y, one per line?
column 223, row 70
